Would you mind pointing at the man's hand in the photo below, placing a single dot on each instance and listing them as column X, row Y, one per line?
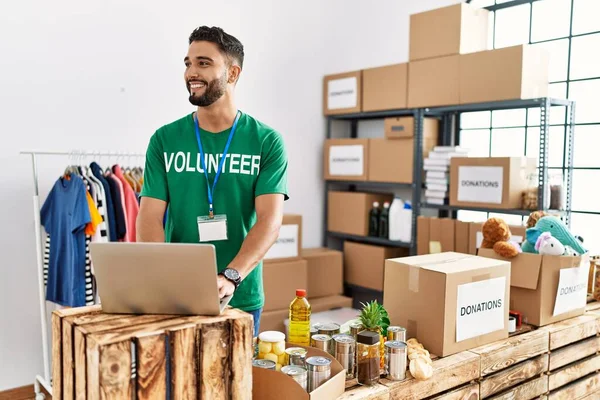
column 226, row 287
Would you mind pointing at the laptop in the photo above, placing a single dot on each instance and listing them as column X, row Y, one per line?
column 157, row 278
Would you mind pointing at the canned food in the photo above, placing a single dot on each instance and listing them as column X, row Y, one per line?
column 297, row 373
column 321, row 342
column 319, row 371
column 355, row 329
column 396, row 333
column 329, row 329
column 344, row 352
column 395, row 360
column 266, row 364
column 296, row 356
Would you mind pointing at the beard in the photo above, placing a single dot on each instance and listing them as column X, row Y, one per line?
column 213, row 91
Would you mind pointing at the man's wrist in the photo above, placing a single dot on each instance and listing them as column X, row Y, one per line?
column 232, row 275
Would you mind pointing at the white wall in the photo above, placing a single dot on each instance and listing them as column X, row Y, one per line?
column 104, row 75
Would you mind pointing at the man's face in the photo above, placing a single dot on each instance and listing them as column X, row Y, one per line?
column 205, row 73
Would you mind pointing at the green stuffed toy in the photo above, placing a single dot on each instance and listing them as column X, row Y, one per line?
column 558, row 230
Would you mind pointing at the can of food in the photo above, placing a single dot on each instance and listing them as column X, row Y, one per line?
column 395, row 360
column 396, row 333
column 329, row 329
column 344, row 352
column 266, row 364
column 319, row 371
column 321, row 342
column 314, row 331
column 355, row 328
column 296, row 356
column 297, row 373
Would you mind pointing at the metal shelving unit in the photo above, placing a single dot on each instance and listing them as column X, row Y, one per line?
column 450, row 135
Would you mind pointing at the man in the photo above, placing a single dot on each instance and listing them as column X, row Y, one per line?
column 240, row 209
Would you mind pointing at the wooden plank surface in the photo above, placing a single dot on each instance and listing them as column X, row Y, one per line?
column 214, row 361
column 592, row 306
column 68, row 368
column 525, row 391
column 572, row 330
column 80, row 365
column 573, row 372
column 513, row 376
column 578, row 389
column 115, row 371
column 567, row 355
column 448, row 373
column 57, row 356
column 151, row 366
column 184, row 362
column 469, row 392
column 124, row 322
column 377, row 392
column 504, row 353
column 241, row 357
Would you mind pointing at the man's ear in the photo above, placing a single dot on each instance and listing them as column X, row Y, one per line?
column 234, row 74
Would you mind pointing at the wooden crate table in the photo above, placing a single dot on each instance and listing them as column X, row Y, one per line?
column 97, row 355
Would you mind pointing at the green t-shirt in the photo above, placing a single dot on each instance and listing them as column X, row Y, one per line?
column 256, row 164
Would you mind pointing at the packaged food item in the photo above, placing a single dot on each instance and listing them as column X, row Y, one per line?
column 271, row 346
column 319, row 371
column 329, row 329
column 345, row 348
column 395, row 360
column 299, row 315
column 295, row 356
column 396, row 333
column 421, row 365
column 321, row 342
column 367, row 353
column 355, row 328
column 297, row 373
column 266, row 364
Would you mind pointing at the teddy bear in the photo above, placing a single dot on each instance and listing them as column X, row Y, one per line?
column 496, row 235
column 534, row 217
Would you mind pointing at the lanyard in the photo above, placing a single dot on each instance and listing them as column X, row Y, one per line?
column 203, row 163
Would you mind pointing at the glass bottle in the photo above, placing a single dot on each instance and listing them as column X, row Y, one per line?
column 299, row 314
column 374, row 220
column 384, row 221
column 367, row 349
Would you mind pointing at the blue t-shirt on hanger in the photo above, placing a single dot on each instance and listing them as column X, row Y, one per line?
column 64, row 216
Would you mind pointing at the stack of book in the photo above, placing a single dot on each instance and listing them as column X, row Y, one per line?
column 436, row 167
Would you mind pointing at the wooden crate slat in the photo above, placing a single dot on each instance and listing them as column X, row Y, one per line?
column 567, row 355
column 469, row 392
column 572, row 330
column 502, row 354
column 215, row 374
column 80, row 365
column 151, row 364
column 573, row 372
column 56, row 356
column 448, row 373
column 126, row 321
column 376, row 392
column 525, row 391
column 513, row 376
column 592, row 306
column 241, row 365
column 578, row 389
column 115, row 371
column 184, row 362
column 68, row 367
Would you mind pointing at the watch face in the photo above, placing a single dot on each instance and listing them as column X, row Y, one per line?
column 232, row 274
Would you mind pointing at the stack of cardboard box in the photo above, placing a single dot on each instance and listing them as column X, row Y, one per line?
column 288, row 267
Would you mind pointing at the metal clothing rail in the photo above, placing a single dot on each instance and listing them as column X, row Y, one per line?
column 45, row 381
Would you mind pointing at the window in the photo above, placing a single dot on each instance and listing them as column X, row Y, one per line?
column 570, row 31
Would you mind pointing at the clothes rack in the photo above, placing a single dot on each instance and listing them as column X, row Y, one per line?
column 45, row 380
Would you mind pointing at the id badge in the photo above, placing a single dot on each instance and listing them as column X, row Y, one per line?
column 212, row 229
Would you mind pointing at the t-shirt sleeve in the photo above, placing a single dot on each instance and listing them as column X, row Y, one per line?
column 81, row 212
column 96, row 219
column 272, row 176
column 155, row 173
column 46, row 211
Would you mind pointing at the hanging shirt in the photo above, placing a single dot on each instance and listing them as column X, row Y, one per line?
column 118, row 206
column 132, row 207
column 110, row 211
column 101, row 234
column 96, row 219
column 64, row 216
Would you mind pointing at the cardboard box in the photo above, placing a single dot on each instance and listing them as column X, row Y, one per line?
column 348, row 212
column 456, row 29
column 364, row 264
column 342, row 93
column 392, row 160
column 280, row 281
column 476, row 235
column 404, row 127
column 546, row 289
column 346, row 159
column 385, row 88
column 461, row 237
column 272, row 385
column 449, row 301
column 433, row 82
column 441, row 235
column 490, row 182
column 518, row 72
column 289, row 241
column 325, row 272
column 273, row 320
column 423, row 231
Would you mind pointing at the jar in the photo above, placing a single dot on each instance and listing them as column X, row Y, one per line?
column 297, row 373
column 344, row 352
column 396, row 333
column 367, row 354
column 557, row 199
column 395, row 360
column 295, row 356
column 319, row 371
column 271, row 346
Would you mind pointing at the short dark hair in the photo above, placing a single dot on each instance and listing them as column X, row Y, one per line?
column 228, row 44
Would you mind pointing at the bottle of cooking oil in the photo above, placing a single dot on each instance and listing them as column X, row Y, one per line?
column 299, row 330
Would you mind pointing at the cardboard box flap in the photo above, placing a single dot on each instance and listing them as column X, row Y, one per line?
column 449, row 262
column 524, row 269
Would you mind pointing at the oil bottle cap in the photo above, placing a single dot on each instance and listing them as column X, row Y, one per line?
column 301, row 292
column 375, row 204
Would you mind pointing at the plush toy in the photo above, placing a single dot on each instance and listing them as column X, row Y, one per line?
column 557, row 228
column 548, row 245
column 570, row 252
column 534, row 217
column 496, row 235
